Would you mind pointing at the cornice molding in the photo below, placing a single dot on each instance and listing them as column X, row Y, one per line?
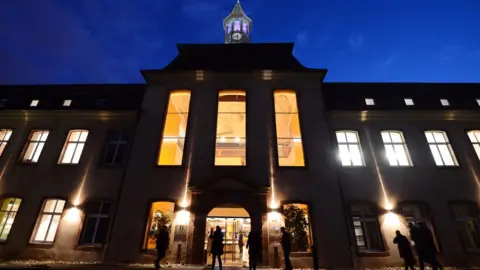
column 27, row 115
column 410, row 115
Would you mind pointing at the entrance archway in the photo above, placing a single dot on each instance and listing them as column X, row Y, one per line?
column 235, row 223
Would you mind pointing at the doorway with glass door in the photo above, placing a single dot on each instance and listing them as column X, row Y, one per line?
column 234, row 221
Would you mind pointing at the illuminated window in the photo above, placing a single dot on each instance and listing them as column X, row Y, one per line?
column 369, row 102
column 117, row 143
column 287, row 123
column 95, row 226
column 4, row 137
column 161, row 214
column 396, row 148
column 409, row 102
column 8, row 212
column 465, row 215
column 366, row 227
column 48, row 221
column 67, row 103
column 236, row 26
column 474, row 137
column 34, row 103
column 34, row 146
column 73, row 148
column 478, row 101
column 298, row 224
column 444, row 102
column 349, row 148
column 245, row 27
column 441, row 149
column 230, row 147
column 175, row 128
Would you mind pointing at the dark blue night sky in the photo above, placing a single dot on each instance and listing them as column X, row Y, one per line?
column 109, row 41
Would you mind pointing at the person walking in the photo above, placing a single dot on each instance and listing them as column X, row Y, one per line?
column 240, row 243
column 405, row 250
column 428, row 246
column 286, row 246
column 217, row 247
column 254, row 246
column 163, row 239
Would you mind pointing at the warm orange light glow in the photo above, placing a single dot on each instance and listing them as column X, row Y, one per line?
column 182, row 217
column 73, row 215
column 175, row 128
column 230, row 149
column 274, row 216
column 287, row 123
column 391, row 220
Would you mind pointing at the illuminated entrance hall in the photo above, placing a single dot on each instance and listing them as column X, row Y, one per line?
column 236, row 225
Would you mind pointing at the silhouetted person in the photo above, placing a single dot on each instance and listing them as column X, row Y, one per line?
column 286, row 246
column 163, row 240
column 405, row 250
column 217, row 247
column 429, row 249
column 240, row 243
column 254, row 245
column 210, row 240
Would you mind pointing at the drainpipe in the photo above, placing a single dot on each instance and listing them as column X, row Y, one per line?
column 352, row 249
column 120, row 188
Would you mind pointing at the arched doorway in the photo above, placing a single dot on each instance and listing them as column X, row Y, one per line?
column 235, row 223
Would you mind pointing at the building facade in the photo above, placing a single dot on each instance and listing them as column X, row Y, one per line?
column 244, row 137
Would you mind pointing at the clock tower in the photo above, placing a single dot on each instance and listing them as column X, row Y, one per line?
column 237, row 26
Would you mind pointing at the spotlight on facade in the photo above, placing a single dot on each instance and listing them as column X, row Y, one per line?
column 73, row 215
column 392, row 220
column 182, row 217
column 273, row 215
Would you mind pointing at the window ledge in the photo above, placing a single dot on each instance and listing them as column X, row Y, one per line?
column 88, row 247
column 41, row 245
column 366, row 253
column 27, row 164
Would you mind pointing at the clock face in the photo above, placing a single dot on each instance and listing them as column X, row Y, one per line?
column 237, row 36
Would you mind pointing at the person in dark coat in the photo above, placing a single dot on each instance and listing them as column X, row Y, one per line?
column 286, row 246
column 163, row 239
column 429, row 249
column 254, row 246
column 217, row 247
column 405, row 250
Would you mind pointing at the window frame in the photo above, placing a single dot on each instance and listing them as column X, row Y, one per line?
column 436, row 144
column 117, row 143
column 30, row 141
column 97, row 216
column 78, row 142
column 475, row 219
column 9, row 212
column 246, row 128
column 3, row 142
column 41, row 213
column 369, row 101
column 359, row 142
column 362, row 219
column 393, row 144
column 475, row 145
column 164, row 123
column 408, row 100
column 300, row 123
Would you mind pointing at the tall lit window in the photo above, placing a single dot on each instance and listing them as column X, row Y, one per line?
column 230, row 147
column 115, row 151
column 298, row 224
column 366, row 227
column 95, row 226
column 8, row 212
column 289, row 135
column 465, row 215
column 396, row 148
column 441, row 149
column 73, row 148
column 4, row 137
column 174, row 129
column 48, row 221
column 161, row 214
column 474, row 136
column 34, row 146
column 349, row 148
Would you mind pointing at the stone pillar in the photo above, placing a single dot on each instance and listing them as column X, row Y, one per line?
column 198, row 239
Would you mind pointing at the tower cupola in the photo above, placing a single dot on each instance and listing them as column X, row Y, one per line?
column 237, row 26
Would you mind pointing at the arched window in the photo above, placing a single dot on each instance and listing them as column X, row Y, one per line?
column 231, row 140
column 349, row 148
column 236, row 25
column 175, row 129
column 287, row 124
column 245, row 27
column 73, row 148
column 297, row 222
column 8, row 212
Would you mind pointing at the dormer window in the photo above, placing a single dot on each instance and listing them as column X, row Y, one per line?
column 369, row 102
column 34, row 103
column 409, row 102
column 67, row 103
column 444, row 102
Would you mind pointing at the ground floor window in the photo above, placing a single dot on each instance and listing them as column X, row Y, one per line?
column 298, row 224
column 48, row 221
column 8, row 212
column 466, row 218
column 95, row 226
column 161, row 214
column 366, row 227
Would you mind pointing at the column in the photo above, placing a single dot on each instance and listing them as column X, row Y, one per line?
column 198, row 239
